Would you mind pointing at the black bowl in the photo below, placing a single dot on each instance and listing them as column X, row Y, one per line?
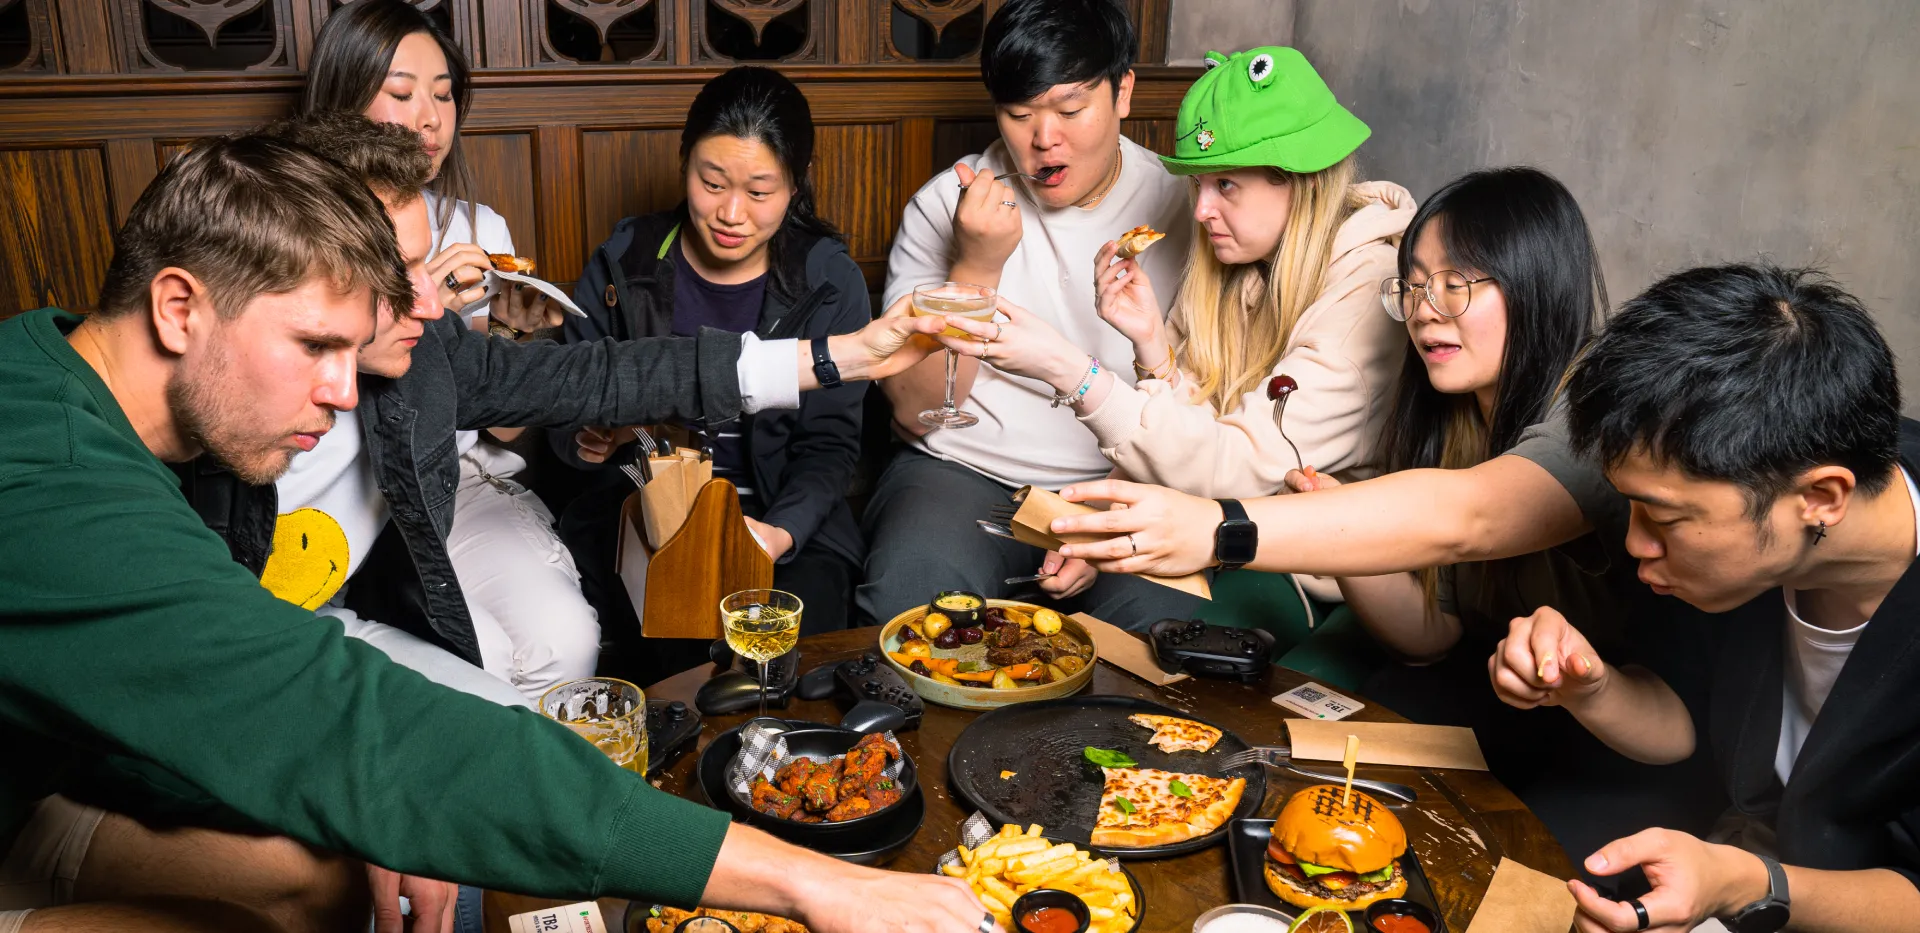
column 1047, row 897
column 962, row 618
column 1403, row 907
column 827, row 742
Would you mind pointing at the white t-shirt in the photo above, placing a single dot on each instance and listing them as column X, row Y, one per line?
column 1814, row 658
column 330, row 513
column 1021, row 439
column 489, row 232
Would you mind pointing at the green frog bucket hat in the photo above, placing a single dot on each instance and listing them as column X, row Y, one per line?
column 1262, row 107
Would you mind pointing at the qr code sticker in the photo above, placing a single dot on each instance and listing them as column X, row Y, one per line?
column 1309, row 694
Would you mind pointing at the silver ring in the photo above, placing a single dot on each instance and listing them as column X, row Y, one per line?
column 452, row 281
column 1009, row 204
column 1134, row 546
column 986, row 923
column 1640, row 911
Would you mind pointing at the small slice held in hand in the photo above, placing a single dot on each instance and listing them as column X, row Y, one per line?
column 507, row 262
column 1135, row 241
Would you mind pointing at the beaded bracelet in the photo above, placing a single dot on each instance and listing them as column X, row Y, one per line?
column 1086, row 385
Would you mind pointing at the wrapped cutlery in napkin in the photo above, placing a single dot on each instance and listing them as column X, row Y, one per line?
column 1033, row 524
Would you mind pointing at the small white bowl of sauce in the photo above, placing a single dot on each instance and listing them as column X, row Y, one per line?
column 1241, row 918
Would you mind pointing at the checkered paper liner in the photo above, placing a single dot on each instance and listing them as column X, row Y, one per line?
column 975, row 830
column 763, row 752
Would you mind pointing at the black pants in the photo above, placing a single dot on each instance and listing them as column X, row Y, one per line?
column 922, row 539
column 590, row 527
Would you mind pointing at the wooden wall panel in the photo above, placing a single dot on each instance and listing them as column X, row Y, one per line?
column 953, row 139
column 502, row 165
column 55, row 228
column 562, row 247
column 627, row 172
column 1153, row 134
column 131, row 164
column 852, row 177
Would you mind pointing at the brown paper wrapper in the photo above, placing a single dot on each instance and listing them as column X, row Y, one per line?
column 1033, row 524
column 668, row 498
column 1125, row 650
column 1521, row 900
column 1388, row 743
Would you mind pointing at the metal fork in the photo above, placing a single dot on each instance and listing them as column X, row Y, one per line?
column 633, row 473
column 996, row 530
column 1003, row 513
column 1281, row 757
column 1039, row 176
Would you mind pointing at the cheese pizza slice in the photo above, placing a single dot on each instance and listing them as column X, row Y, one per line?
column 1142, row 807
column 1173, row 734
column 1135, row 241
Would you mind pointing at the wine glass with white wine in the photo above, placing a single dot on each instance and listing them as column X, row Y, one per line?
column 761, row 625
column 953, row 299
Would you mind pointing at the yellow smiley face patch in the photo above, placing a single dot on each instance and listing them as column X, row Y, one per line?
column 309, row 560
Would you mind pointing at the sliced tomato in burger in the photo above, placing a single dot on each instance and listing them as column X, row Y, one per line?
column 1278, row 854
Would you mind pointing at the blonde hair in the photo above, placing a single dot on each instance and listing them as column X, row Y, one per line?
column 1232, row 323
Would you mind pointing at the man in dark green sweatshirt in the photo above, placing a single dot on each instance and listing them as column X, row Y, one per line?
column 243, row 284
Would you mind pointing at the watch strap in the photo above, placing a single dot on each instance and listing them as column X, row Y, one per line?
column 1768, row 914
column 1233, row 516
column 824, row 368
column 1232, row 511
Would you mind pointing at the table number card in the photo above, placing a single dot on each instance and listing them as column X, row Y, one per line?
column 583, row 917
column 1316, row 702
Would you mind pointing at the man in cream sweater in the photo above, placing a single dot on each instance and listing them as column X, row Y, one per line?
column 1060, row 73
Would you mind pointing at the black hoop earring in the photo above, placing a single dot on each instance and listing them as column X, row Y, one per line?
column 1819, row 533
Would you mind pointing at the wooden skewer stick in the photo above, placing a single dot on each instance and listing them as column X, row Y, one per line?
column 1353, row 758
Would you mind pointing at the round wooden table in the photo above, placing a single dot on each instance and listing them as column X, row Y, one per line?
column 1462, row 825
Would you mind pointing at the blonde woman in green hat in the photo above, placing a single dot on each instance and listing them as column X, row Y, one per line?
column 1289, row 251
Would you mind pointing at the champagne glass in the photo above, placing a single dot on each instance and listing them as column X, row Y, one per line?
column 610, row 713
column 953, row 299
column 761, row 625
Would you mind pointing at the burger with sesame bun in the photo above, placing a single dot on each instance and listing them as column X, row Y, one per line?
column 1324, row 853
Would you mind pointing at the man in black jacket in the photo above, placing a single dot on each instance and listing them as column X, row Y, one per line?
column 1752, row 417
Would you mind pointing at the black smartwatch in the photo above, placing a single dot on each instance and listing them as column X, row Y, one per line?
column 823, row 368
column 1237, row 539
column 1768, row 914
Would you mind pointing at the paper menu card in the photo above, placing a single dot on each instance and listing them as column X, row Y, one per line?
column 1521, row 900
column 583, row 917
column 497, row 281
column 1387, row 743
column 1125, row 650
column 1033, row 523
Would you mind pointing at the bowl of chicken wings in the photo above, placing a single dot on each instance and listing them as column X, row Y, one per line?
column 833, row 782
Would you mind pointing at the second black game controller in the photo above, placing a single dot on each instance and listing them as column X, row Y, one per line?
column 671, row 729
column 868, row 684
column 733, row 691
column 1194, row 647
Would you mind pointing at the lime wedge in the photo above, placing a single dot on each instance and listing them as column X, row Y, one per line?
column 1322, row 920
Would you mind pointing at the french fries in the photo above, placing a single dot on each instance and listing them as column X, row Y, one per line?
column 1014, row 862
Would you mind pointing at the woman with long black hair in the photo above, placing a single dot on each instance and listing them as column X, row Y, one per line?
column 392, row 63
column 745, row 252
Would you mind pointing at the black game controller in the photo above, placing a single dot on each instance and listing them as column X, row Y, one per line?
column 734, row 691
column 880, row 696
column 671, row 729
column 1212, row 650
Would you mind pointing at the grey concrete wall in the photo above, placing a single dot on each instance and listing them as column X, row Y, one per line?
column 1690, row 131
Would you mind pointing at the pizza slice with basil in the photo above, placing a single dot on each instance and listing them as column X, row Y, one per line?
column 1142, row 807
column 1173, row 734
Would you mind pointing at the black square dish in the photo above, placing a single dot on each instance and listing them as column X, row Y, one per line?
column 1247, row 850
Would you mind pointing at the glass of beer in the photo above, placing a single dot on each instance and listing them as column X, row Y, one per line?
column 610, row 713
column 953, row 299
column 761, row 625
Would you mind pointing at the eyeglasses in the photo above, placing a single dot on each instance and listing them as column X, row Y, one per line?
column 1447, row 292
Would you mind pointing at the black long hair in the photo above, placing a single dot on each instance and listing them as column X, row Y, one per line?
column 760, row 104
column 351, row 58
column 1521, row 227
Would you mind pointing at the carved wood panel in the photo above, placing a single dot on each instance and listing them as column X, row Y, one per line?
column 1153, row 134
column 609, row 21
column 459, row 18
column 55, row 233
column 155, row 36
column 28, row 26
column 715, row 18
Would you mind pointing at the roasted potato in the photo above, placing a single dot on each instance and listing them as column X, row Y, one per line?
column 1046, row 621
column 934, row 624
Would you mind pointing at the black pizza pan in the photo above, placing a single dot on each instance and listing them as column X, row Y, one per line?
column 871, row 843
column 1247, row 850
column 1053, row 783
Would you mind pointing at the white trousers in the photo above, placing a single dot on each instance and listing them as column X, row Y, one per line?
column 534, row 627
column 437, row 664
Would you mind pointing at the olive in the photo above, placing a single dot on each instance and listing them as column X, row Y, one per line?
column 908, row 634
column 1281, row 386
column 971, row 635
column 949, row 638
column 996, row 615
column 920, row 667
